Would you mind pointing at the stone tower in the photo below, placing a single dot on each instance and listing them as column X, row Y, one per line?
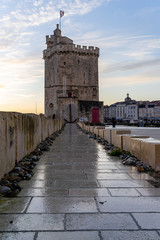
column 71, row 78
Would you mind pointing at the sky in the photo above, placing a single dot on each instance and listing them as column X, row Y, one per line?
column 126, row 31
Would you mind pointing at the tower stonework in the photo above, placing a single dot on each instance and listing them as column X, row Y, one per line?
column 71, row 79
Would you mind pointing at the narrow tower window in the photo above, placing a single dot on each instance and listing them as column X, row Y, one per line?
column 69, row 94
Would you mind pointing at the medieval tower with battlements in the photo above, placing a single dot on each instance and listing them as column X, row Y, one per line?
column 71, row 80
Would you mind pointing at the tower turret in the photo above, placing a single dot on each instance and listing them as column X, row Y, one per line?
column 71, row 75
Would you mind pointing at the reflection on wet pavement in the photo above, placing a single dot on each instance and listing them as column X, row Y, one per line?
column 83, row 194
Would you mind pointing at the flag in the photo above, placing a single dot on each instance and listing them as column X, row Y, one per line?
column 61, row 13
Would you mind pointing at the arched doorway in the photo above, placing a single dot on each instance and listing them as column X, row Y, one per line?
column 70, row 112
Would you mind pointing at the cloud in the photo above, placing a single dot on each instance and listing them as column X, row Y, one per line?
column 26, row 15
column 128, row 66
column 124, row 81
column 37, row 3
column 147, row 76
column 121, row 53
column 137, row 46
column 15, row 23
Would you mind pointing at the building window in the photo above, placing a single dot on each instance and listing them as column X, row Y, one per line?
column 69, row 94
column 64, row 63
column 51, row 105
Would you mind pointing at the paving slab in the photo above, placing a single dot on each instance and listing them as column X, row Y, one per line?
column 124, row 192
column 62, row 205
column 108, row 176
column 148, row 220
column 105, row 167
column 75, row 184
column 141, row 176
column 43, row 192
column 37, row 183
column 17, row 236
column 127, row 169
column 149, row 192
column 69, row 236
column 48, row 167
column 95, row 171
column 128, row 204
column 130, row 235
column 31, row 222
column 89, row 192
column 13, row 205
column 124, row 183
column 100, row 222
column 68, row 176
column 64, row 172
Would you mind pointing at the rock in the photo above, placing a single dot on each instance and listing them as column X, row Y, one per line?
column 43, row 147
column 16, row 169
column 21, row 174
column 122, row 156
column 27, row 169
column 107, row 147
column 99, row 140
column 16, row 186
column 26, row 163
column 94, row 136
column 91, row 136
column 4, row 182
column 37, row 152
column 28, row 176
column 132, row 161
column 13, row 193
column 140, row 169
column 5, row 190
column 35, row 158
column 150, row 168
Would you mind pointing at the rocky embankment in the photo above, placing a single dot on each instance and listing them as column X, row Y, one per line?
column 23, row 170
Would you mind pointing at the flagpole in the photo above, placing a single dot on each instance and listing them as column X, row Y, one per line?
column 61, row 15
column 60, row 22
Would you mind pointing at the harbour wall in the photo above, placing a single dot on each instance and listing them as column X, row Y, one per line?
column 145, row 148
column 20, row 134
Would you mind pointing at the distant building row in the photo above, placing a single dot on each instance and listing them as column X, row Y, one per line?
column 132, row 111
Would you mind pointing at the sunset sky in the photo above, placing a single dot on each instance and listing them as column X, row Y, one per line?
column 126, row 31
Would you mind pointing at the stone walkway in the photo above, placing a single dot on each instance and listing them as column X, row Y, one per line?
column 78, row 192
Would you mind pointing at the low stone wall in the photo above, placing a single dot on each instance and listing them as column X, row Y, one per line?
column 144, row 148
column 20, row 134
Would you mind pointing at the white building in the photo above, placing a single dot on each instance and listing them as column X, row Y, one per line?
column 112, row 111
column 132, row 112
column 157, row 111
column 120, row 110
column 151, row 111
column 147, row 110
column 106, row 112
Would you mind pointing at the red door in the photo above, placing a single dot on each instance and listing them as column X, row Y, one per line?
column 95, row 115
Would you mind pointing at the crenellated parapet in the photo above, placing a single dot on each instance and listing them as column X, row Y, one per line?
column 71, row 75
column 71, row 48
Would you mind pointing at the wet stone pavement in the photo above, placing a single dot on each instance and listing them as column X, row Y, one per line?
column 78, row 192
